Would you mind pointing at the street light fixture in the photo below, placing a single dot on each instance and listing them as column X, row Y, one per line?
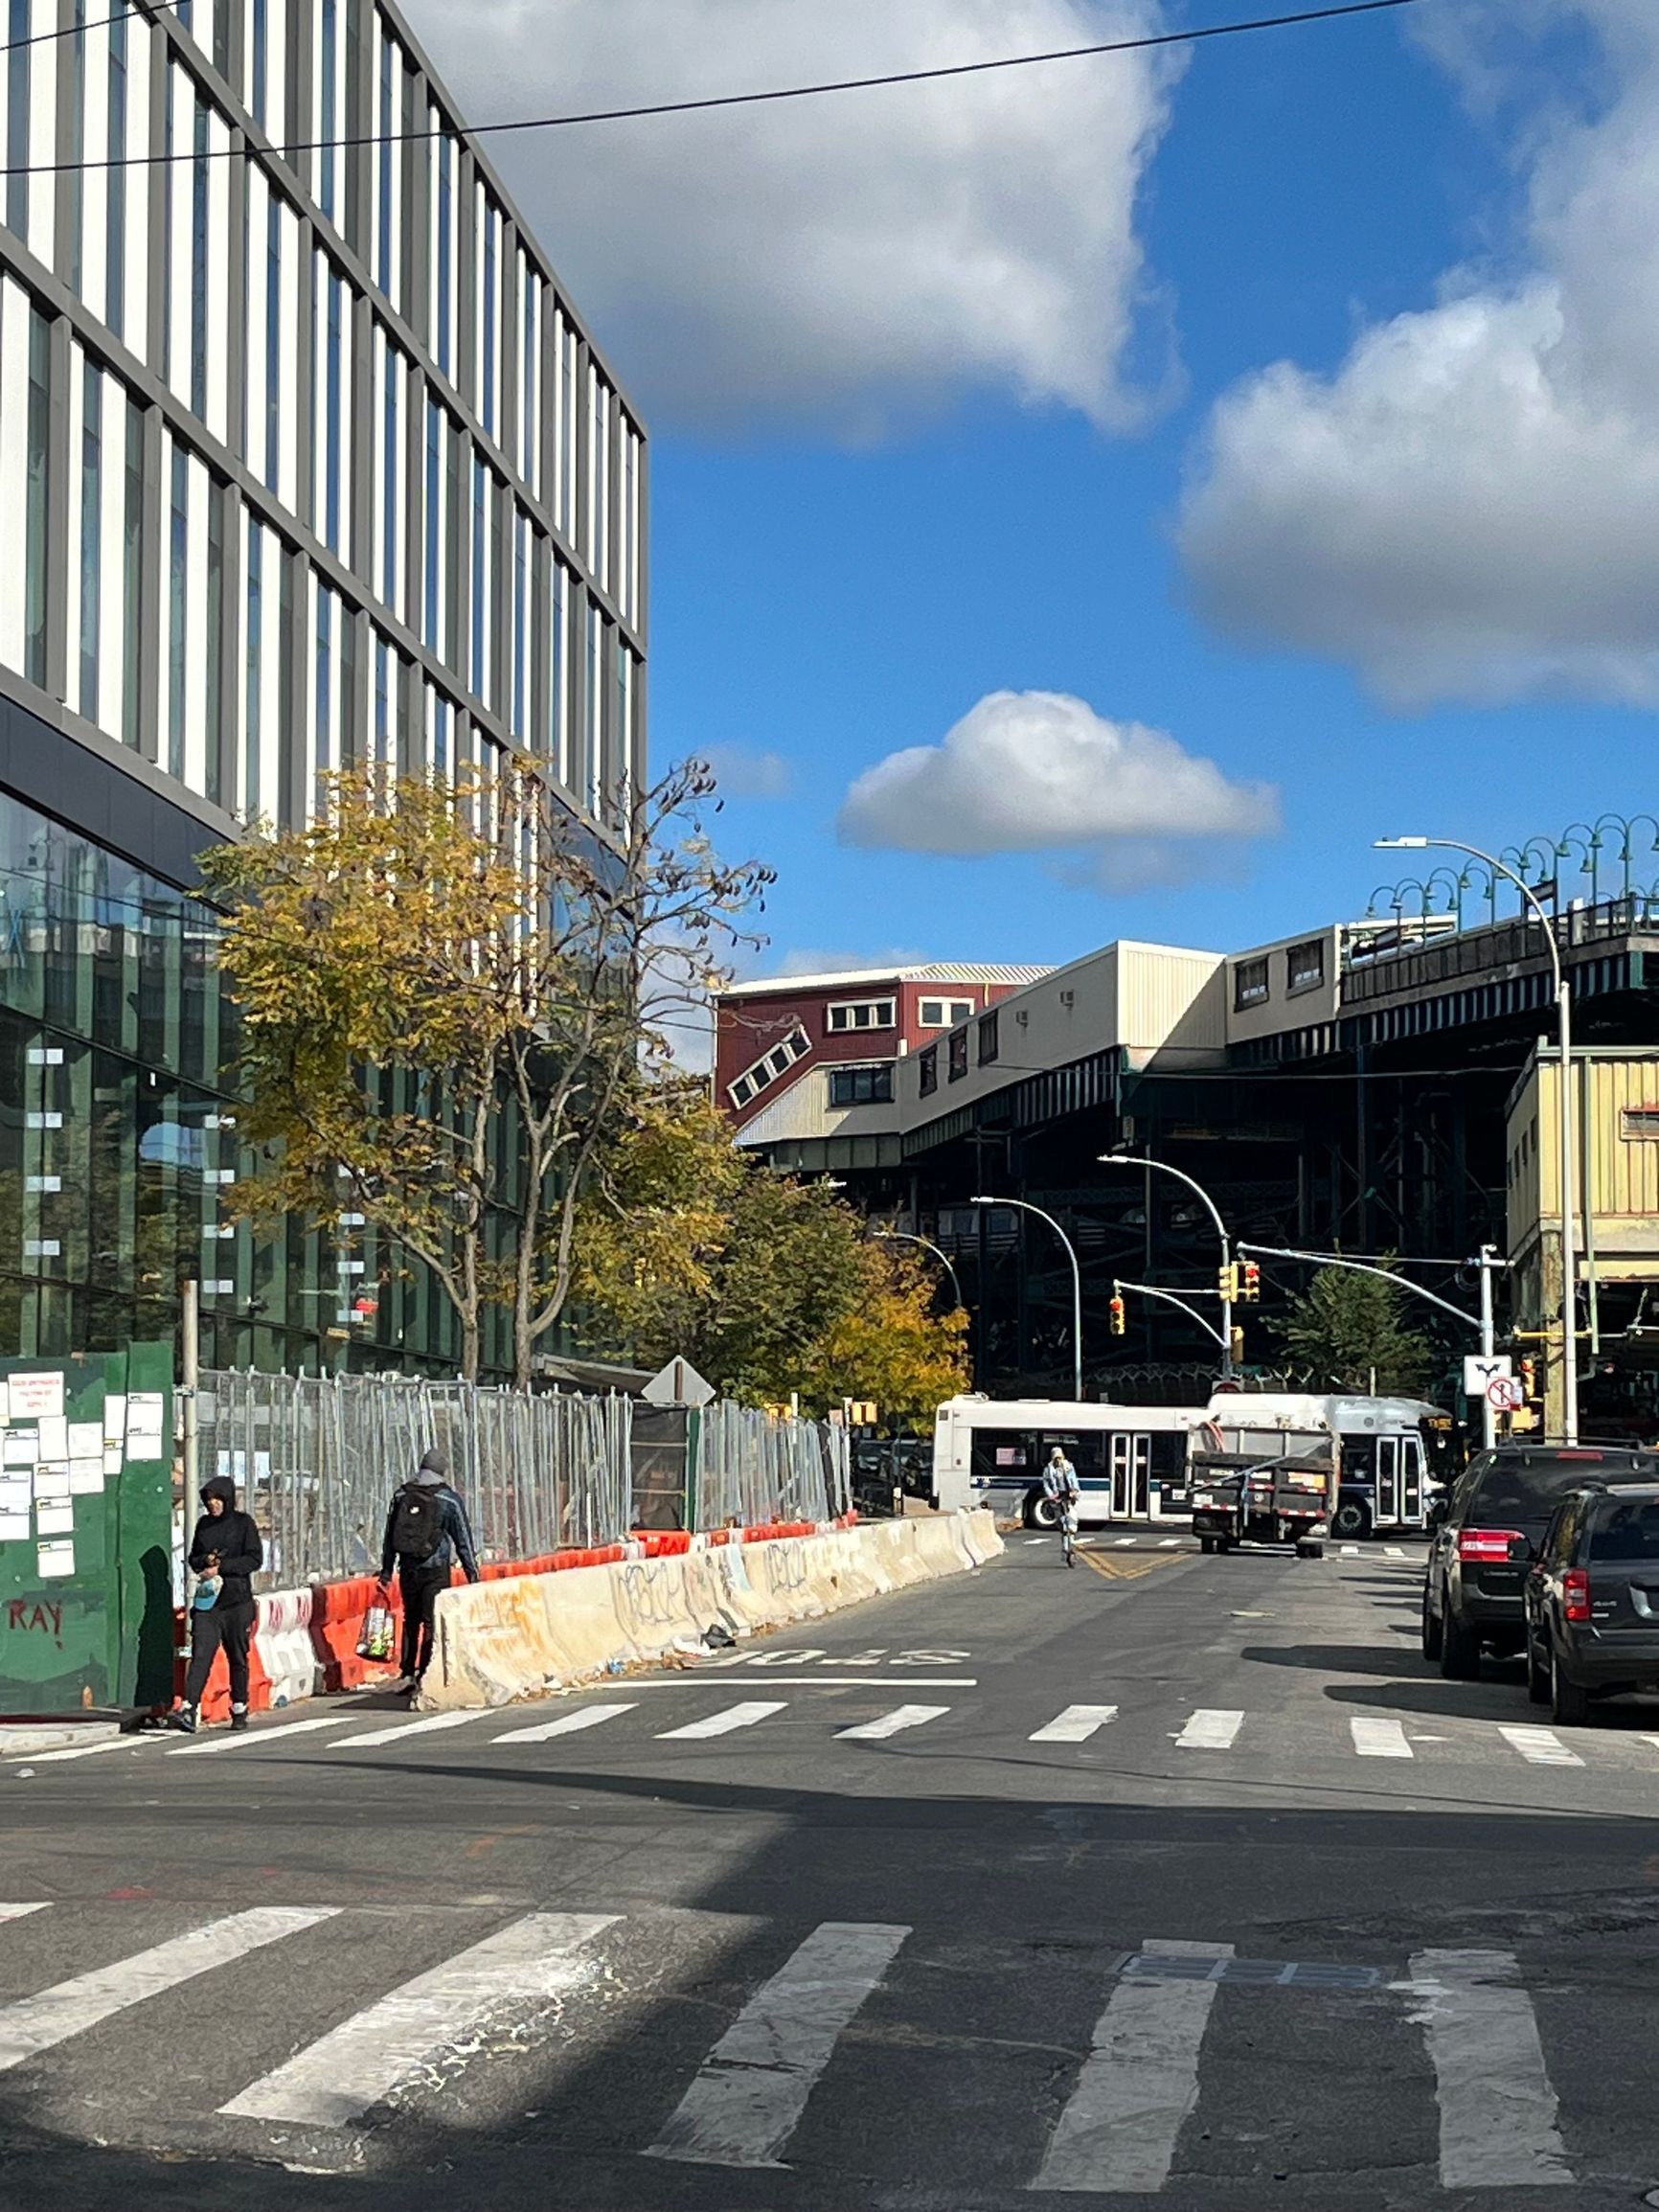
column 905, row 1237
column 1020, row 1206
column 1122, row 1160
column 1565, row 1032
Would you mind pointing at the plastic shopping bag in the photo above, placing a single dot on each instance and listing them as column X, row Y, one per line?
column 380, row 1633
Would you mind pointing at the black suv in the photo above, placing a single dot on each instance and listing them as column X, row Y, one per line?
column 1592, row 1599
column 1489, row 1534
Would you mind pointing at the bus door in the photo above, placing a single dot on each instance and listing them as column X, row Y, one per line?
column 1411, row 1482
column 1389, row 1481
column 1130, row 1463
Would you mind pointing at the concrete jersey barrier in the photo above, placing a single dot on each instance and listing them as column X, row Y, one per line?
column 498, row 1641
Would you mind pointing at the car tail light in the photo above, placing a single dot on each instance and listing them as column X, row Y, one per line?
column 1576, row 1594
column 1488, row 1545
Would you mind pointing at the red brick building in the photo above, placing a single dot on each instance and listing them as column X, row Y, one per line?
column 806, row 1055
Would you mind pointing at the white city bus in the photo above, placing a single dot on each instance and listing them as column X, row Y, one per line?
column 1132, row 1460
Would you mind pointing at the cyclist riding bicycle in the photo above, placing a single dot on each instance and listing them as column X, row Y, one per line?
column 1061, row 1484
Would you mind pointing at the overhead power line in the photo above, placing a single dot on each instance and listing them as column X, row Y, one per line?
column 723, row 100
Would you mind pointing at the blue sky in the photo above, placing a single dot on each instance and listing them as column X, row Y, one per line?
column 1386, row 597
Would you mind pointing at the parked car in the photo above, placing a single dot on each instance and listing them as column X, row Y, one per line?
column 1592, row 1599
column 1487, row 1534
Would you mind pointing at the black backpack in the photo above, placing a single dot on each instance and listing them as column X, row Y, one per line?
column 417, row 1525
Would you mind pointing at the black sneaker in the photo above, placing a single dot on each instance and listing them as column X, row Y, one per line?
column 183, row 1720
column 239, row 1717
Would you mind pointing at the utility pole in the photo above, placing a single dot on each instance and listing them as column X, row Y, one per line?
column 190, row 1365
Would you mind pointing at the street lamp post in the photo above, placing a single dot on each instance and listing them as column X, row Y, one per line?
column 1020, row 1206
column 1138, row 1161
column 1565, row 1033
column 905, row 1237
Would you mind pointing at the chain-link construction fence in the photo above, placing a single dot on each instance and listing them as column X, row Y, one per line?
column 754, row 1468
column 318, row 1457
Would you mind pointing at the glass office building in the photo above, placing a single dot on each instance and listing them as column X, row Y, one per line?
column 305, row 460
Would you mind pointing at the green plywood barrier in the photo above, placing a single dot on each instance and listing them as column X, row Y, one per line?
column 86, row 1531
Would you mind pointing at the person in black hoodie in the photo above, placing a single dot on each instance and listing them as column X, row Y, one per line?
column 426, row 1528
column 226, row 1548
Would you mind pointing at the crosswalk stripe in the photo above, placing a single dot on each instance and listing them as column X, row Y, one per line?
column 399, row 1730
column 29, row 2025
column 365, row 2059
column 722, row 1723
column 229, row 1742
column 1381, row 1740
column 1351, row 1551
column 1393, row 1551
column 753, row 2086
column 1076, row 1725
column 20, row 1911
column 1127, row 1543
column 82, row 1751
column 567, row 1723
column 1118, row 2130
column 1542, row 1747
column 1169, row 1543
column 892, row 1723
column 1497, row 2109
column 1035, row 1540
column 1210, row 1731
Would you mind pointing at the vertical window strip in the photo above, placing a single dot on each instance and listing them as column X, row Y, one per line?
column 323, row 758
column 132, row 578
column 558, row 671
column 178, row 588
column 75, row 94
column 115, row 183
column 38, row 549
column 198, row 268
column 335, row 457
column 254, row 674
column 480, row 574
column 431, row 628
column 328, row 35
column 91, row 537
column 217, row 499
column 258, row 63
column 595, row 711
column 18, row 30
column 520, row 626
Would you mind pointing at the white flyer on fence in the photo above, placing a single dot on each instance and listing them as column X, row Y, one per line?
column 86, row 1477
column 114, row 1419
column 55, row 1559
column 143, row 1412
column 112, row 1459
column 19, row 1447
column 5, row 1399
column 52, row 1482
column 14, row 1527
column 53, row 1436
column 35, row 1397
column 85, row 1440
column 54, row 1521
column 16, row 1492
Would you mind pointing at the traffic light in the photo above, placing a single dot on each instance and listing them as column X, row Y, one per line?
column 1530, row 1378
column 1229, row 1285
column 1250, row 1288
column 1120, row 1316
column 1238, row 1347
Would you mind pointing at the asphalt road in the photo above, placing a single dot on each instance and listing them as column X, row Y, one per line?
column 1169, row 1879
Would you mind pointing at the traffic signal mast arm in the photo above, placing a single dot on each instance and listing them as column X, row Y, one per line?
column 1150, row 1291
column 1360, row 1267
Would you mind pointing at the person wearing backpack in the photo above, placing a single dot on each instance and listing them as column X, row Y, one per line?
column 225, row 1554
column 426, row 1530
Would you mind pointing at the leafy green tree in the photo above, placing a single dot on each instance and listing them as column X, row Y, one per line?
column 1346, row 1327
column 448, row 990
column 768, row 1286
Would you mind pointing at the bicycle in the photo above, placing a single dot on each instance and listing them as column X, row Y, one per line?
column 1069, row 1534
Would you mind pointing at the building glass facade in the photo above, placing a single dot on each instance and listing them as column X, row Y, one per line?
column 305, row 459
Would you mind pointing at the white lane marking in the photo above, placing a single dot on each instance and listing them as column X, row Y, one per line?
column 753, row 2086
column 1541, row 1746
column 508, row 1977
column 1351, row 1551
column 1497, row 2110
column 892, row 1723
column 228, row 1741
column 1076, row 1725
column 701, row 1676
column 722, row 1723
column 1210, row 1731
column 1036, row 1540
column 787, row 1658
column 1127, row 1544
column 1393, row 1551
column 1381, row 1740
column 1169, row 1543
column 401, row 1728
column 19, row 1911
column 81, row 1751
column 1118, row 2130
column 39, row 2023
column 567, row 1724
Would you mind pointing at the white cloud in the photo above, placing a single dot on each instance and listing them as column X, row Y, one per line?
column 851, row 260
column 1041, row 772
column 814, row 960
column 1466, row 509
column 744, row 774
